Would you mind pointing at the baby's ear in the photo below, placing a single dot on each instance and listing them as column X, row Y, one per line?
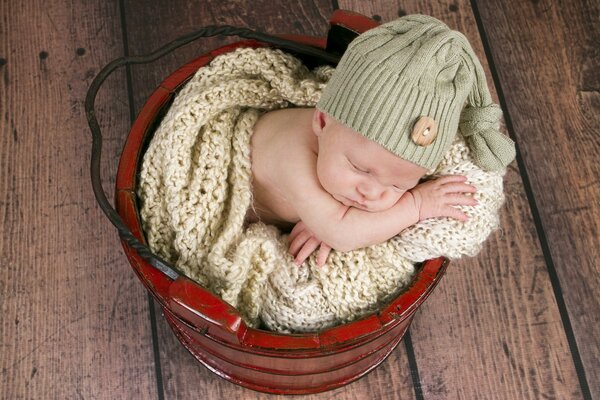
column 318, row 121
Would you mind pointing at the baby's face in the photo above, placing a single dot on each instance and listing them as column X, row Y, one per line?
column 359, row 172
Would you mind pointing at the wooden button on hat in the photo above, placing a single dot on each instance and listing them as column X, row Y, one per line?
column 424, row 131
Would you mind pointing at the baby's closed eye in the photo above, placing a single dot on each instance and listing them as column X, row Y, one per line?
column 396, row 188
column 356, row 168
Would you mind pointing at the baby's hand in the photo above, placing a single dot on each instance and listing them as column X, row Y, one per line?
column 302, row 242
column 435, row 198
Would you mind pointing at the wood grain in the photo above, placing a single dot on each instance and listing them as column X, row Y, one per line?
column 74, row 319
column 553, row 49
column 492, row 328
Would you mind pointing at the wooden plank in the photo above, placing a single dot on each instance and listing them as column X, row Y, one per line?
column 547, row 59
column 73, row 315
column 492, row 328
column 147, row 29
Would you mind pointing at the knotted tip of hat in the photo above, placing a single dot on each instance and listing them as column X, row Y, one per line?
column 491, row 149
column 479, row 123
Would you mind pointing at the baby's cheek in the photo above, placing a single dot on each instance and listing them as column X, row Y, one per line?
column 335, row 176
column 327, row 177
column 387, row 201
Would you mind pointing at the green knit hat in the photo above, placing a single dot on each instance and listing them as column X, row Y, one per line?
column 412, row 80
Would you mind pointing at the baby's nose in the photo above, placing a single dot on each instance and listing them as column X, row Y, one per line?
column 370, row 191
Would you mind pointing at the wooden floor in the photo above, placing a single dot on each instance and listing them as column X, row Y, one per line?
column 519, row 321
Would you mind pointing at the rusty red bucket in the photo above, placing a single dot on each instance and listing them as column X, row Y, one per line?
column 211, row 329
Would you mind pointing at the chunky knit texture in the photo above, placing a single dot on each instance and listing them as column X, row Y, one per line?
column 195, row 187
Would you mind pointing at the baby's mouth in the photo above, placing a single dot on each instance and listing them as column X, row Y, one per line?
column 343, row 199
column 350, row 203
column 353, row 203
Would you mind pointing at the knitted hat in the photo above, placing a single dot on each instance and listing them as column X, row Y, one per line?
column 404, row 85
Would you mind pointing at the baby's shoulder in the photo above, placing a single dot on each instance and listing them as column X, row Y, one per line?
column 286, row 162
column 297, row 163
column 281, row 164
column 282, row 145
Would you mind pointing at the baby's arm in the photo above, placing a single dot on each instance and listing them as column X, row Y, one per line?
column 433, row 198
column 356, row 228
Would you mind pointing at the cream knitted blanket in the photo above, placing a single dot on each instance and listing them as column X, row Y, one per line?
column 195, row 188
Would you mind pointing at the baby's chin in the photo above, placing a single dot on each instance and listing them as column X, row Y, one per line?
column 372, row 208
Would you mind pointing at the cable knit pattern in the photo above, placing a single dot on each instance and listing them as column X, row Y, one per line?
column 479, row 126
column 195, row 187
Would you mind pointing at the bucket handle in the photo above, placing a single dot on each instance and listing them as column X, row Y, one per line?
column 212, row 30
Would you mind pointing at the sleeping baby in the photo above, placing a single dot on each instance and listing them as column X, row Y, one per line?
column 347, row 173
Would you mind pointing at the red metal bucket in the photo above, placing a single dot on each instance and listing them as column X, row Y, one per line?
column 211, row 329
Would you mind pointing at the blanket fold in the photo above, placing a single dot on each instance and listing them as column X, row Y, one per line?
column 195, row 186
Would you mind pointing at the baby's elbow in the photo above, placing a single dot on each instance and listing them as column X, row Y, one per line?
column 341, row 239
column 340, row 247
column 347, row 247
column 345, row 241
column 339, row 243
column 334, row 240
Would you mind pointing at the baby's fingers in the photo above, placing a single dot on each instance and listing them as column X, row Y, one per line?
column 306, row 250
column 452, row 178
column 323, row 253
column 297, row 243
column 298, row 228
column 459, row 188
column 456, row 214
column 461, row 200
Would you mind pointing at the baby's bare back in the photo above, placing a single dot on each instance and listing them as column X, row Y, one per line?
column 281, row 155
